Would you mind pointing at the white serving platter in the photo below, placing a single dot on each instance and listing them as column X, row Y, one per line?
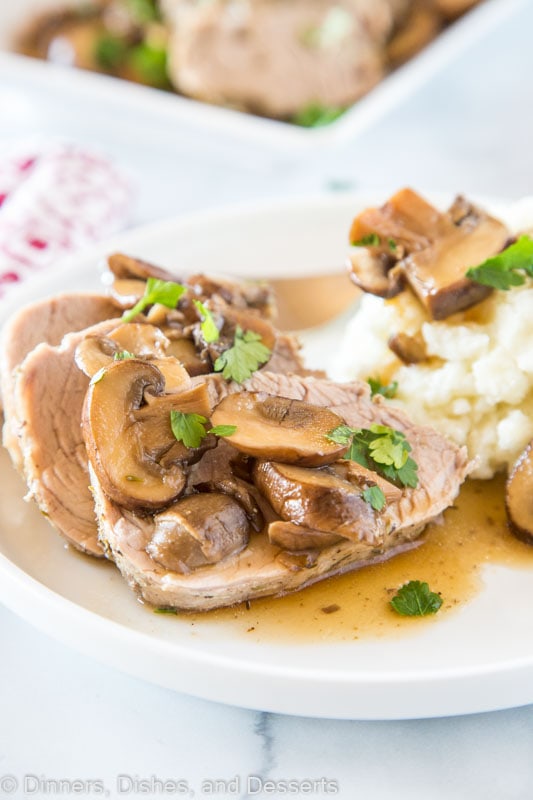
column 172, row 110
column 479, row 658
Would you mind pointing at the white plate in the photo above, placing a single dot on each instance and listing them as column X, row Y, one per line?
column 480, row 658
column 178, row 111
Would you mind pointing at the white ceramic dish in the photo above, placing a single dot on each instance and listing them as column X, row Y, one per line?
column 176, row 111
column 479, row 658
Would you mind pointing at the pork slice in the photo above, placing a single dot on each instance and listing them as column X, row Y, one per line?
column 442, row 466
column 48, row 394
column 262, row 568
column 276, row 57
column 45, row 321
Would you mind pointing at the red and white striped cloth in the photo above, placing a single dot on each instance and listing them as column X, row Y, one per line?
column 55, row 198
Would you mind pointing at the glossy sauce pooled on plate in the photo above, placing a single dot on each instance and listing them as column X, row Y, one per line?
column 472, row 534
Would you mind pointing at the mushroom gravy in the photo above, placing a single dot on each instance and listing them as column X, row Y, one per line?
column 473, row 533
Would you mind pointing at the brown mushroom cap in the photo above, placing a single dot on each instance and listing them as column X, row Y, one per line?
column 198, row 530
column 318, row 499
column 413, row 244
column 280, row 429
column 129, row 474
column 519, row 496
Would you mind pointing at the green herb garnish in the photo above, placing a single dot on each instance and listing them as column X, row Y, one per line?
column 150, row 63
column 375, row 497
column 392, row 245
column 210, row 331
column 110, row 52
column 376, row 387
column 191, row 428
column 380, row 449
column 415, row 599
column 188, row 428
column 166, row 293
column 144, row 10
column 316, row 116
column 123, row 355
column 368, row 240
column 248, row 353
column 163, row 610
column 508, row 268
column 223, row 430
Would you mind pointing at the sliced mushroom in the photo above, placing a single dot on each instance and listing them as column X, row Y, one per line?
column 185, row 351
column 114, row 437
column 364, row 478
column 280, row 429
column 123, row 266
column 409, row 349
column 126, row 292
column 519, row 496
column 411, row 243
column 318, row 499
column 197, row 531
column 296, row 538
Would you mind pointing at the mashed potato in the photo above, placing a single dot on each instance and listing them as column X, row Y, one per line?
column 477, row 386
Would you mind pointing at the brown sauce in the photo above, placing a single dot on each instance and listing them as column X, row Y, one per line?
column 473, row 533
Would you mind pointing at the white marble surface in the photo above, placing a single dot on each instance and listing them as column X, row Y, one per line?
column 64, row 716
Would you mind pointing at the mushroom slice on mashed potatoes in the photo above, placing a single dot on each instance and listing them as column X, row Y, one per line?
column 409, row 243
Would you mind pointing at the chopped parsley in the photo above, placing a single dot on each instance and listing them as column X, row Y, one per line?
column 110, row 52
column 375, row 497
column 167, row 293
column 123, row 355
column 415, row 599
column 376, row 387
column 191, row 428
column 150, row 63
column 380, row 449
column 144, row 10
column 223, row 430
column 210, row 331
column 316, row 116
column 368, row 240
column 392, row 245
column 247, row 354
column 188, row 428
column 508, row 268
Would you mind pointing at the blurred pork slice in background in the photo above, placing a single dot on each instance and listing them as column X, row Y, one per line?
column 275, row 57
column 294, row 60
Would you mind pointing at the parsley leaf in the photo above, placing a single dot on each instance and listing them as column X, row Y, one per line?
column 210, row 331
column 316, row 116
column 368, row 240
column 191, row 428
column 248, row 353
column 223, row 430
column 376, row 387
column 188, row 428
column 415, row 599
column 392, row 245
column 123, row 355
column 506, row 269
column 375, row 497
column 381, row 449
column 166, row 293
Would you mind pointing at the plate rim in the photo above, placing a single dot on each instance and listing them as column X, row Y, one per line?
column 16, row 581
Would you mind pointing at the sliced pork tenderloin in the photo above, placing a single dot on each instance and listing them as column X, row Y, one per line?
column 263, row 568
column 44, row 321
column 48, row 395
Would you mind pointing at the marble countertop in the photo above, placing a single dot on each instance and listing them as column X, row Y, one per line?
column 63, row 716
